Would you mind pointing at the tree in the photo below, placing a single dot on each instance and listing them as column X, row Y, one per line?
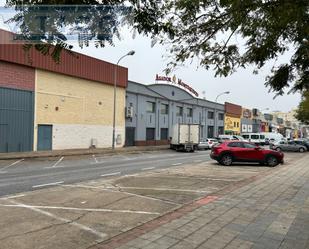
column 302, row 113
column 206, row 29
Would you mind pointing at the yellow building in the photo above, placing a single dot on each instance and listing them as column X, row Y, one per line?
column 80, row 111
column 232, row 119
column 231, row 125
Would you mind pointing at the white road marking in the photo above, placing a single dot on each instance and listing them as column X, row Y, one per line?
column 131, row 175
column 164, row 189
column 59, row 161
column 47, row 184
column 116, row 191
column 94, row 158
column 149, row 168
column 12, row 164
column 37, row 209
column 81, row 209
column 112, row 174
column 12, row 197
column 83, row 202
column 175, row 164
column 197, row 161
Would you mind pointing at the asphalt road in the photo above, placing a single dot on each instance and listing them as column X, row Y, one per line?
column 26, row 175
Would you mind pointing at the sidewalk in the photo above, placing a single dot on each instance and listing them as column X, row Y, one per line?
column 271, row 211
column 78, row 152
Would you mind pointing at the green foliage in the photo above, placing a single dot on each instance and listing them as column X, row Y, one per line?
column 302, row 112
column 203, row 29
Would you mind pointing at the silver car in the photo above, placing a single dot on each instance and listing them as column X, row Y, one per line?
column 207, row 143
column 288, row 146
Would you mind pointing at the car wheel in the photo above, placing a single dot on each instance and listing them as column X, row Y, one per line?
column 278, row 149
column 272, row 161
column 226, row 160
column 301, row 150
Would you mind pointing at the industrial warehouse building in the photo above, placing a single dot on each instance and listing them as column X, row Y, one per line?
column 152, row 110
column 45, row 106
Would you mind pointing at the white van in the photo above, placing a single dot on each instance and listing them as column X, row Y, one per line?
column 256, row 138
column 273, row 137
column 231, row 137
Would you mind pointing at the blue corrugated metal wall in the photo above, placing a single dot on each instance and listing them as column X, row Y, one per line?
column 16, row 120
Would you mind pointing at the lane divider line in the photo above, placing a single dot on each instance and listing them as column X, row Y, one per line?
column 175, row 164
column 149, row 168
column 59, row 161
column 112, row 174
column 47, row 184
column 12, row 164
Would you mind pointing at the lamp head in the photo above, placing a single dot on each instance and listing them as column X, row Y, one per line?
column 132, row 52
column 227, row 92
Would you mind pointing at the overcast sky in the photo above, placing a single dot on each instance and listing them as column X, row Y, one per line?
column 247, row 89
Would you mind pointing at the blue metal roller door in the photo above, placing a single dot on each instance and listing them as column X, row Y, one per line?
column 16, row 120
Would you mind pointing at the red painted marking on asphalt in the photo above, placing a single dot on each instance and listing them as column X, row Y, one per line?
column 206, row 200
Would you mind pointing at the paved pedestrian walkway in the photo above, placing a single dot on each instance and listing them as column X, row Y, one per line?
column 268, row 211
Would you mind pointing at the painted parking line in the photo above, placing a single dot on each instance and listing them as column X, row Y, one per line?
column 13, row 197
column 12, row 164
column 117, row 191
column 160, row 189
column 69, row 222
column 112, row 174
column 47, row 184
column 149, row 168
column 81, row 209
column 59, row 161
column 95, row 159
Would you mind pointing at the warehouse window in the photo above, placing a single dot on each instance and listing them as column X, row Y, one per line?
column 210, row 115
column 220, row 116
column 151, row 106
column 189, row 112
column 179, row 111
column 164, row 109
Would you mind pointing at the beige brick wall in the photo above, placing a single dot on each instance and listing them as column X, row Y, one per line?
column 66, row 101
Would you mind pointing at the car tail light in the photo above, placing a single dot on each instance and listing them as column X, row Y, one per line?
column 210, row 142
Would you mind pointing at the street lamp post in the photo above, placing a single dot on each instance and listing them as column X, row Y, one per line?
column 215, row 118
column 115, row 88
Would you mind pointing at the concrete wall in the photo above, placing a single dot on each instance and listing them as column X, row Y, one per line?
column 79, row 110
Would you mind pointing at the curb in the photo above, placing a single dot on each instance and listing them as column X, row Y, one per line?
column 79, row 152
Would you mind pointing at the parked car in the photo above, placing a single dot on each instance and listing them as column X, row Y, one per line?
column 302, row 142
column 203, row 145
column 287, row 146
column 238, row 151
column 207, row 143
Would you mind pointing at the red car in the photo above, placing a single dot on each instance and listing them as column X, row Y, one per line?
column 237, row 151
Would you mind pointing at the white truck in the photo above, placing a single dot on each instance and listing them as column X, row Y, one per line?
column 185, row 137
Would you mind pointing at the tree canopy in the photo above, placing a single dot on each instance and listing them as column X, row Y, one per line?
column 302, row 113
column 202, row 29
